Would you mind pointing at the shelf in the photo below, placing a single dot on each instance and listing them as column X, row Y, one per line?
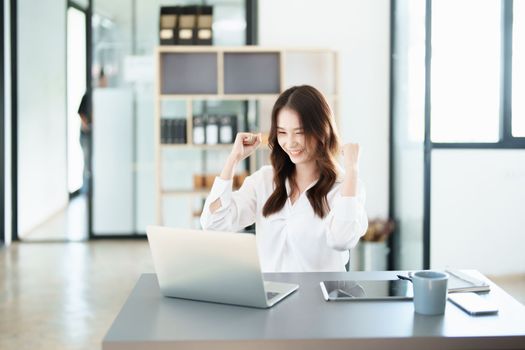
column 179, row 193
column 252, row 72
column 189, row 75
column 242, row 49
column 229, row 97
column 186, row 146
column 228, row 146
column 185, row 193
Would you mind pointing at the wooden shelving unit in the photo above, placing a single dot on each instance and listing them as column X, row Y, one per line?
column 187, row 74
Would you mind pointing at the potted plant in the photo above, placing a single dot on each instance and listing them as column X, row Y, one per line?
column 372, row 249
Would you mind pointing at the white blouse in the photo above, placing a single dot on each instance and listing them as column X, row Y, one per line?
column 293, row 239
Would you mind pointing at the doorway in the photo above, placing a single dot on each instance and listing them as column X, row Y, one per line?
column 78, row 129
column 76, row 89
column 61, row 193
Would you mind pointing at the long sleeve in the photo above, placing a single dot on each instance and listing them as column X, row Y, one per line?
column 347, row 221
column 238, row 209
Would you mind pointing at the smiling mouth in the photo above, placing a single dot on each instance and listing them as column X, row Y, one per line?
column 295, row 152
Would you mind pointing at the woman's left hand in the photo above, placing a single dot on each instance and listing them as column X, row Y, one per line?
column 351, row 156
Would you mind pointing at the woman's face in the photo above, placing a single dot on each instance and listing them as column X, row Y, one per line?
column 291, row 138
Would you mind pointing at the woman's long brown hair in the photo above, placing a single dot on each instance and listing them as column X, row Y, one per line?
column 318, row 124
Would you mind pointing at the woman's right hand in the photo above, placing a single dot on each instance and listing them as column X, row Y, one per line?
column 245, row 144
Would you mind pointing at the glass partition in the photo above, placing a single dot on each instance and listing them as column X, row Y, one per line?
column 518, row 68
column 125, row 35
column 408, row 128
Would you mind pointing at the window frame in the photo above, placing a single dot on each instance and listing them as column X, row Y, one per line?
column 506, row 139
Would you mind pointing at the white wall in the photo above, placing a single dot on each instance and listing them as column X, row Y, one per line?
column 360, row 31
column 477, row 210
column 112, row 161
column 42, row 183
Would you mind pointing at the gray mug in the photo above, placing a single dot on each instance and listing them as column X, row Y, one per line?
column 430, row 292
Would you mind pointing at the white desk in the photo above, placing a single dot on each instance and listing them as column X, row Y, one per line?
column 305, row 321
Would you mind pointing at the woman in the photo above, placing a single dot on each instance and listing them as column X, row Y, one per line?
column 308, row 211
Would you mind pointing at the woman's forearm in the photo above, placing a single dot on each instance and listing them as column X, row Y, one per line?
column 226, row 174
column 349, row 185
column 351, row 161
column 229, row 169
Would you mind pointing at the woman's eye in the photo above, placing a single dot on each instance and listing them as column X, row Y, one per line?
column 281, row 132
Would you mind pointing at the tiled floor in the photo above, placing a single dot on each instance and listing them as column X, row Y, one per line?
column 68, row 225
column 66, row 295
column 512, row 284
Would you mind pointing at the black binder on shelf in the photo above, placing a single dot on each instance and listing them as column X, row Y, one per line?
column 176, row 132
column 180, row 131
column 203, row 34
column 164, row 131
column 199, row 130
column 187, row 22
column 168, row 23
column 171, row 131
column 227, row 128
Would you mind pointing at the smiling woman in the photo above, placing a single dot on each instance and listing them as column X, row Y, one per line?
column 303, row 129
column 308, row 211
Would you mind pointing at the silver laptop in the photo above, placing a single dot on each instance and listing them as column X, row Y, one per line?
column 221, row 267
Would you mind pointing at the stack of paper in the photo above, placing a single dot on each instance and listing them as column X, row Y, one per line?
column 461, row 282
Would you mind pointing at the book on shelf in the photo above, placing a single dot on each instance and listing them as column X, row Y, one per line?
column 168, row 131
column 173, row 131
column 169, row 16
column 180, row 131
column 203, row 30
column 163, row 131
column 459, row 282
column 187, row 24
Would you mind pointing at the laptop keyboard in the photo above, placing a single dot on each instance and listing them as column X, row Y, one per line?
column 270, row 295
